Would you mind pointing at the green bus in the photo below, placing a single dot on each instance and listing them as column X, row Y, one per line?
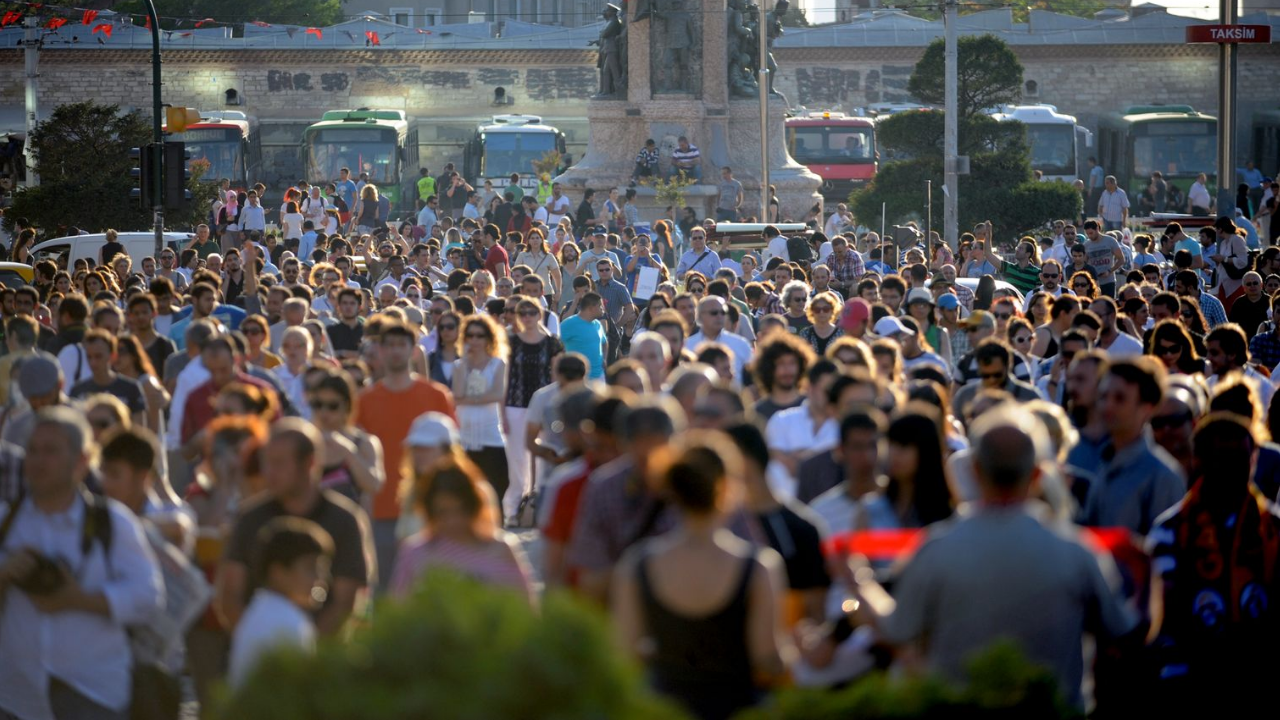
column 378, row 142
column 1175, row 140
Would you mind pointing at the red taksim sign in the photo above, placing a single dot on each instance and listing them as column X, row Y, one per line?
column 1228, row 33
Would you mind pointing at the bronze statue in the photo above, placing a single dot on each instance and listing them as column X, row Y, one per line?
column 679, row 37
column 740, row 39
column 610, row 59
column 773, row 26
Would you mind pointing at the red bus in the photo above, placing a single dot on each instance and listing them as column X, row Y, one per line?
column 839, row 148
column 230, row 141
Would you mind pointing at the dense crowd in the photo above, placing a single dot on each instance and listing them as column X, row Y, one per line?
column 800, row 462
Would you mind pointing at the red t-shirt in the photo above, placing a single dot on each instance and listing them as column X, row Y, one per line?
column 198, row 412
column 497, row 256
column 388, row 416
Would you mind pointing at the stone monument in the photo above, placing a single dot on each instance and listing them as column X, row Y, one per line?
column 689, row 69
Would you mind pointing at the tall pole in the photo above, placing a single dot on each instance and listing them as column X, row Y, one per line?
column 1229, row 15
column 31, row 57
column 764, row 115
column 951, row 187
column 157, row 128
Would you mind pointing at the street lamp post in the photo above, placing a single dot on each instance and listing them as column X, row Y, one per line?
column 157, row 129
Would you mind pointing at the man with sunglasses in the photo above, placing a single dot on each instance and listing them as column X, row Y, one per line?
column 169, row 270
column 995, row 372
column 699, row 257
column 1252, row 309
column 713, row 314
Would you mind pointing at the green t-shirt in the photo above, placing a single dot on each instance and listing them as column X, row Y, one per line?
column 516, row 191
column 207, row 248
column 1025, row 280
column 426, row 187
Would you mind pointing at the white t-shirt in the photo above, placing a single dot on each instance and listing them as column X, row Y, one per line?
column 559, row 208
column 777, row 248
column 270, row 622
column 791, row 430
column 1125, row 346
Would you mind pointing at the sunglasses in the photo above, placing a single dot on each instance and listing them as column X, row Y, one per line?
column 1049, row 276
column 697, row 289
column 332, row 406
column 992, row 376
column 448, row 326
column 821, row 309
column 477, row 336
column 1168, row 350
column 253, row 331
column 529, row 313
column 1002, row 316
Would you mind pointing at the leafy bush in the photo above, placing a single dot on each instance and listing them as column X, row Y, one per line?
column 459, row 651
column 1002, row 684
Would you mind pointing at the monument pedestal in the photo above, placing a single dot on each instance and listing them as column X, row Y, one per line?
column 726, row 131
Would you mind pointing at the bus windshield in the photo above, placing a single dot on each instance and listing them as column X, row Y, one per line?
column 1053, row 149
column 1175, row 153
column 514, row 152
column 368, row 150
column 833, row 144
column 221, row 147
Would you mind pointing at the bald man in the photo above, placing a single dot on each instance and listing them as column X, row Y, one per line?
column 1251, row 309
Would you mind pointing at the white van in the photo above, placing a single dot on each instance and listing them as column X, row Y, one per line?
column 71, row 248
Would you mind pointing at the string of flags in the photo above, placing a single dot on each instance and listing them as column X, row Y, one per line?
column 59, row 17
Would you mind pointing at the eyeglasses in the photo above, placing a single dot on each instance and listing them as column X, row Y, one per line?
column 332, row 406
column 1022, row 339
column 697, row 237
column 477, row 336
column 1168, row 349
column 604, row 269
column 448, row 326
column 1161, row 422
column 1080, row 286
column 821, row 309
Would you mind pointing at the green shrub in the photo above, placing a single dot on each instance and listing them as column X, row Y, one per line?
column 1002, row 684
column 457, row 651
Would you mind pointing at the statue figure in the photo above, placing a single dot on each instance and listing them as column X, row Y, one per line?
column 741, row 36
column 610, row 60
column 773, row 26
column 642, row 11
column 679, row 36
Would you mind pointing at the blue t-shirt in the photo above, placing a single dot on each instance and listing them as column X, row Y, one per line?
column 228, row 315
column 586, row 337
column 347, row 191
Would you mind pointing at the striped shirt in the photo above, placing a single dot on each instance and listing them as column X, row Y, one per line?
column 1025, row 279
column 686, row 157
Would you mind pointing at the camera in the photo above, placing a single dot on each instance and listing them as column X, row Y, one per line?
column 45, row 578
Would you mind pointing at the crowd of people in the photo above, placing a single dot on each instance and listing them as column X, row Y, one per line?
column 800, row 463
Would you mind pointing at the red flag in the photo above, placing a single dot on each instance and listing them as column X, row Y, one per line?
column 10, row 18
column 146, row 22
column 261, row 24
column 316, row 31
column 88, row 17
column 55, row 23
column 204, row 22
column 105, row 28
column 373, row 37
column 185, row 34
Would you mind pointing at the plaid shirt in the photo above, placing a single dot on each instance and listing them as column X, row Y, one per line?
column 1264, row 348
column 772, row 305
column 647, row 158
column 1211, row 308
column 847, row 271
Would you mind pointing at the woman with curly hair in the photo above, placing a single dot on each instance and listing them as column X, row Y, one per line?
column 480, row 390
column 1084, row 286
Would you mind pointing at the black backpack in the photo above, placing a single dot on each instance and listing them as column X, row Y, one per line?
column 95, row 526
column 798, row 249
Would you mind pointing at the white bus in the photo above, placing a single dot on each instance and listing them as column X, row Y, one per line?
column 1059, row 145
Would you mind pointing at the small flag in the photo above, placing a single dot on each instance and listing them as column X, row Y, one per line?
column 350, row 37
column 260, row 24
column 147, row 25
column 55, row 23
column 204, row 22
column 317, row 32
column 10, row 17
column 373, row 37
column 185, row 34
column 104, row 28
column 88, row 17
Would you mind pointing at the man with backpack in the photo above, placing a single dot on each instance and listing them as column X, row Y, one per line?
column 75, row 571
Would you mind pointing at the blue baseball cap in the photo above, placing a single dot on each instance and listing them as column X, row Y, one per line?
column 947, row 301
column 600, row 230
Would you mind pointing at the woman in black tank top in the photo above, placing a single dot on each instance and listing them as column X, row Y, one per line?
column 698, row 605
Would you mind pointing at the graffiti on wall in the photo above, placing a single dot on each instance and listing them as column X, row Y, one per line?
column 830, row 86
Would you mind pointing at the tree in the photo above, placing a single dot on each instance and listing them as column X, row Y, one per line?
column 82, row 158
column 989, row 74
column 457, row 650
column 317, row 13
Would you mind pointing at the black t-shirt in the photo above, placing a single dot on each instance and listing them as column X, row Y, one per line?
column 123, row 388
column 342, row 519
column 159, row 351
column 797, row 323
column 110, row 250
column 585, row 216
column 793, row 532
column 346, row 338
column 767, row 408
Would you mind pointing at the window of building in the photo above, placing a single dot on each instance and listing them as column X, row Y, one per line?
column 402, row 16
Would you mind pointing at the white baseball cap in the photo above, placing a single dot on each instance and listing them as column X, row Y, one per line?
column 889, row 325
column 433, row 429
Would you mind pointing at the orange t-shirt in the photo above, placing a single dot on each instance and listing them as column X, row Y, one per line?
column 388, row 416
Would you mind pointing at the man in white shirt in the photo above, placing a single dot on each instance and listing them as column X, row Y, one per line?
column 64, row 643
column 1198, row 200
column 712, row 314
column 1117, row 344
column 1113, row 206
column 840, row 221
column 775, row 246
column 799, row 432
column 558, row 205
